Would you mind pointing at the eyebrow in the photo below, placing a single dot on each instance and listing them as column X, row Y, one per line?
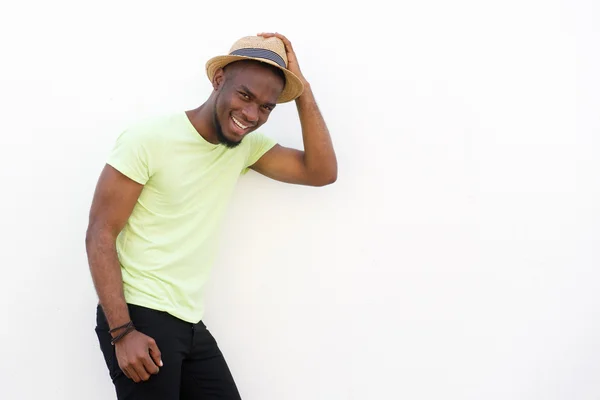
column 245, row 89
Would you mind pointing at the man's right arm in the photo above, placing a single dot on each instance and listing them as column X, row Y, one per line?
column 114, row 199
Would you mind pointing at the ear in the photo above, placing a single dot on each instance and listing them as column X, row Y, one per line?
column 218, row 79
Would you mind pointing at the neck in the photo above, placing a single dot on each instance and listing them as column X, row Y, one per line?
column 202, row 120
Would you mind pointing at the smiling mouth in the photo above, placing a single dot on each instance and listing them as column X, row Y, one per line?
column 239, row 124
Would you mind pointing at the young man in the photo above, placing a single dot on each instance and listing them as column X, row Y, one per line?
column 158, row 203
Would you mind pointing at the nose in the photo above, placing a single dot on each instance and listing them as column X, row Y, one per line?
column 251, row 113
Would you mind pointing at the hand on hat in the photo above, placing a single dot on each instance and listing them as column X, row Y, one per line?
column 291, row 55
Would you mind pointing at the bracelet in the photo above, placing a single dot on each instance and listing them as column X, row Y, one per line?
column 127, row 325
column 122, row 335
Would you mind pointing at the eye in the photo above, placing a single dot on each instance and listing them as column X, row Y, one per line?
column 268, row 108
column 244, row 95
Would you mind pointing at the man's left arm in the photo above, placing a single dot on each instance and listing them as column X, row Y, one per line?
column 317, row 164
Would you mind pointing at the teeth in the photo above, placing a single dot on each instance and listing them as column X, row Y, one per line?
column 238, row 123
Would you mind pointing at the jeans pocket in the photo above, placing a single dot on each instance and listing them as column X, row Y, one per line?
column 108, row 350
column 147, row 321
column 109, row 354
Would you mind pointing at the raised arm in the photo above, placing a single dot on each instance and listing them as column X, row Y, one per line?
column 317, row 164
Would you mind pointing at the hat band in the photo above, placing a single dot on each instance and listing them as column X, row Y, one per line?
column 260, row 53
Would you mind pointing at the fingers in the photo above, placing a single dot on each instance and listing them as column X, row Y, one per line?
column 285, row 40
column 280, row 36
column 155, row 352
column 140, row 370
column 149, row 366
column 152, row 360
column 126, row 373
column 126, row 368
column 143, row 366
column 132, row 374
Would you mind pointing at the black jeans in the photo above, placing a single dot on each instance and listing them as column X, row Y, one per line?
column 194, row 367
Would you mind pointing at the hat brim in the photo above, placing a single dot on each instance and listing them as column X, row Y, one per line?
column 293, row 86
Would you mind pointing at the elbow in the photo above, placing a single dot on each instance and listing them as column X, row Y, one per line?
column 325, row 180
column 331, row 179
column 323, row 174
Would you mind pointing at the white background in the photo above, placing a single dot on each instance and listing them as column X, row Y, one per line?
column 456, row 257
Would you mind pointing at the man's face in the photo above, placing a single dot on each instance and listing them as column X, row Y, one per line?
column 244, row 101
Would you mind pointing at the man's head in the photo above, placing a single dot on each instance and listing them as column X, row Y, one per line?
column 245, row 93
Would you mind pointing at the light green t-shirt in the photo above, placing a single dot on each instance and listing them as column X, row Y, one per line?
column 168, row 245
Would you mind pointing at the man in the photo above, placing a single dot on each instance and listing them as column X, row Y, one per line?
column 159, row 201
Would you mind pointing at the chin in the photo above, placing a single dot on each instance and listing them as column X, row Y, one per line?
column 229, row 139
column 232, row 136
column 235, row 139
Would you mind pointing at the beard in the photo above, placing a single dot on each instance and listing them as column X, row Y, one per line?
column 219, row 129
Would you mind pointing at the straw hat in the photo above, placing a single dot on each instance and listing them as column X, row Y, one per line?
column 268, row 50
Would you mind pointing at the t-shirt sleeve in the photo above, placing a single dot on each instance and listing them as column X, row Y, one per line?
column 259, row 145
column 133, row 154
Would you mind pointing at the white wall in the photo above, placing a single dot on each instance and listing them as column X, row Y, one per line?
column 455, row 258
